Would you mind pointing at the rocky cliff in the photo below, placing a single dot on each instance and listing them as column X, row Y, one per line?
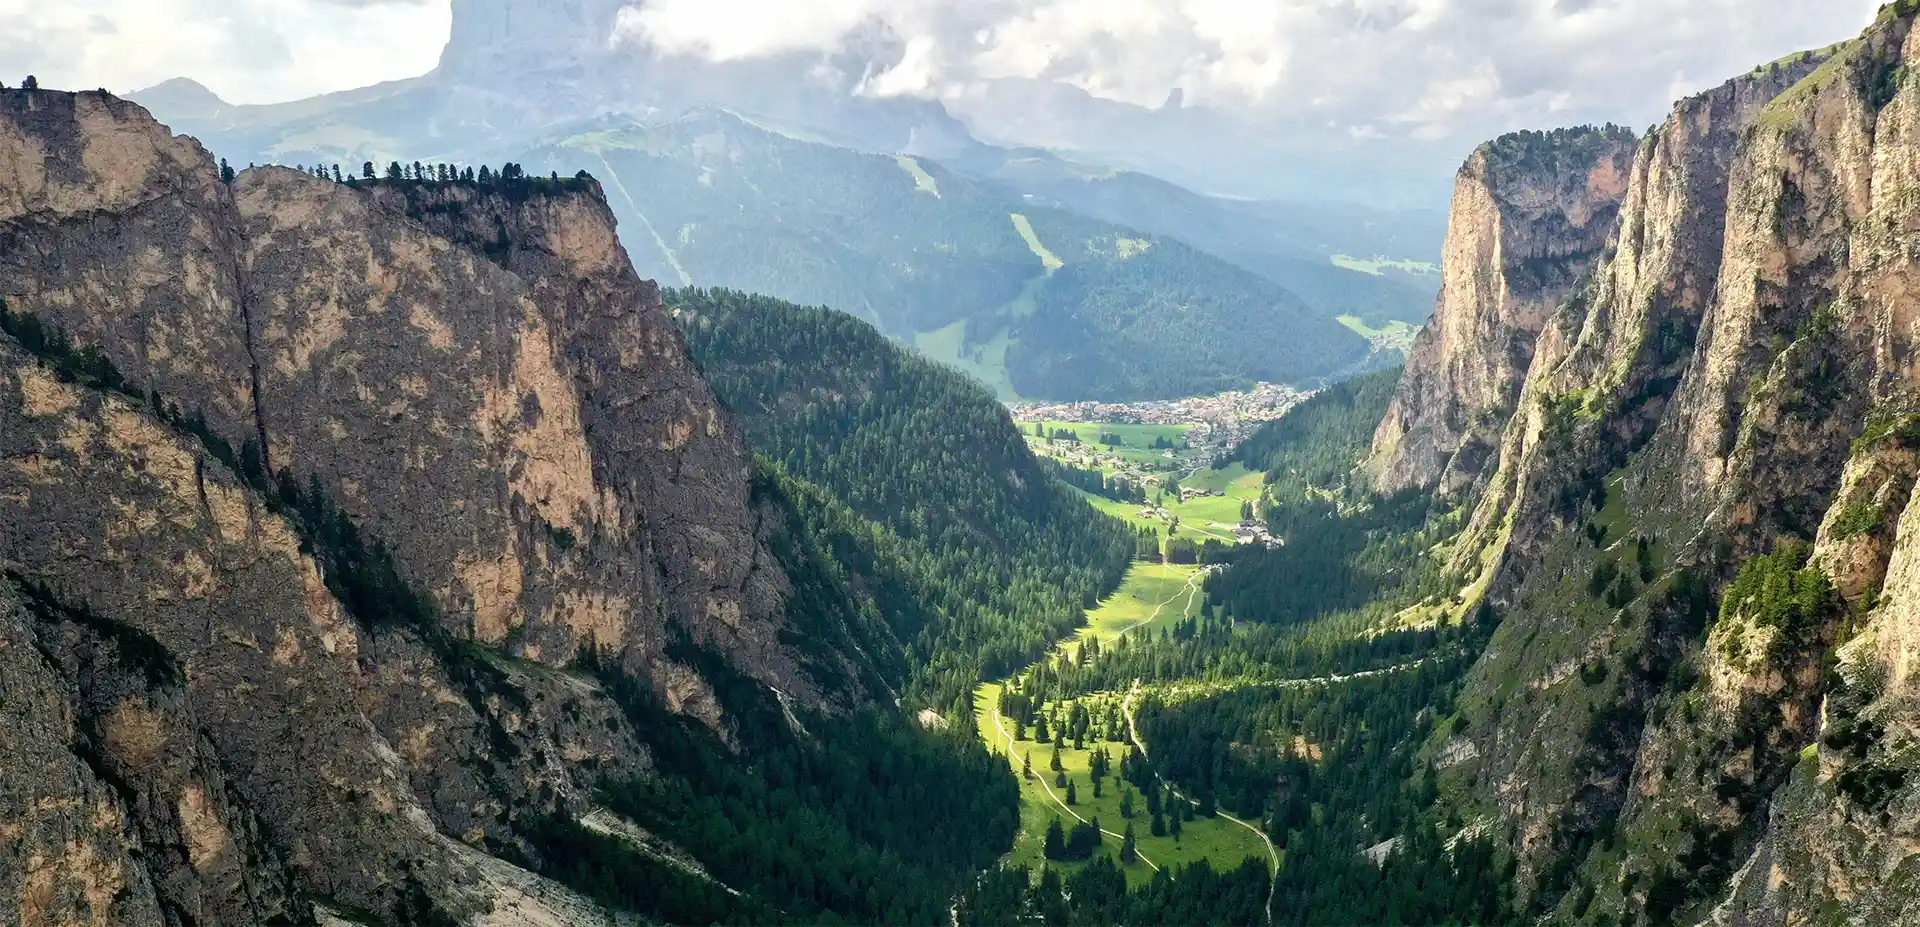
column 1696, row 705
column 1531, row 212
column 308, row 492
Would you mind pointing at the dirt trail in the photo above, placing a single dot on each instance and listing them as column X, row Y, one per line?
column 1056, row 798
column 1273, row 855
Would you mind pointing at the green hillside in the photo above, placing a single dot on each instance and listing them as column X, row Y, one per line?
column 985, row 558
column 1032, row 300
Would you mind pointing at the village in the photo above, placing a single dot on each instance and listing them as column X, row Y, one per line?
column 1218, row 422
column 1155, row 463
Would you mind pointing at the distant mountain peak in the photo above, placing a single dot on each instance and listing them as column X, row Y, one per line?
column 527, row 36
column 181, row 96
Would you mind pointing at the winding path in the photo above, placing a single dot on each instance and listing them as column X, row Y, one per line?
column 1273, row 855
column 1191, row 589
column 1056, row 799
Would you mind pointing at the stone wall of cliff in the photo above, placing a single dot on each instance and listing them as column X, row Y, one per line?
column 1697, row 705
column 475, row 375
column 305, row 509
column 1531, row 212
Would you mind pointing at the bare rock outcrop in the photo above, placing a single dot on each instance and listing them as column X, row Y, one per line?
column 1531, row 213
column 311, row 496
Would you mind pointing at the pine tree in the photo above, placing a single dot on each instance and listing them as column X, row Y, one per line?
column 31, row 83
column 1096, row 786
column 366, row 171
column 1056, row 764
column 1055, row 845
column 1026, row 766
column 226, row 172
column 1129, row 850
column 1126, row 803
column 395, row 171
column 1073, row 796
column 1158, row 827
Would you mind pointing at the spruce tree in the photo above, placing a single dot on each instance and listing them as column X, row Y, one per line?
column 1158, row 827
column 1054, row 847
column 1129, row 850
column 1173, row 827
column 1073, row 796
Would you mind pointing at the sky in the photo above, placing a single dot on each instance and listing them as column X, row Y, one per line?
column 1421, row 68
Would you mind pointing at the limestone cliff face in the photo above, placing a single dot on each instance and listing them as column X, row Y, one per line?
column 202, row 721
column 1530, row 214
column 476, row 376
column 1736, row 377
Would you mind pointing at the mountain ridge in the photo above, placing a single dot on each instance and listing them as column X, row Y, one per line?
column 1689, row 528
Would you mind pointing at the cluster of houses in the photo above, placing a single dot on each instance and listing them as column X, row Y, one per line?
column 1253, row 532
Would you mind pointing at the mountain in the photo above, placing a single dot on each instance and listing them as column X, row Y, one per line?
column 1531, row 214
column 540, row 83
column 376, row 552
column 1037, row 301
column 1293, row 244
column 1208, row 149
column 1690, row 527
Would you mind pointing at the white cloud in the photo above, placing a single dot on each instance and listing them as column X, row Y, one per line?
column 1432, row 67
column 248, row 51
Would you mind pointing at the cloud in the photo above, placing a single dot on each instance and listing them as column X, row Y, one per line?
column 1428, row 68
column 245, row 50
column 1401, row 68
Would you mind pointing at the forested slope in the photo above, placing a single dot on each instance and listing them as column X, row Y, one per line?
column 498, row 631
column 980, row 556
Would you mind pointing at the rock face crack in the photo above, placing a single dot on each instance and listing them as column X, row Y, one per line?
column 243, row 297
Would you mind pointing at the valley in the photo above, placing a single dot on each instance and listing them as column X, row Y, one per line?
column 1153, row 599
column 962, row 535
